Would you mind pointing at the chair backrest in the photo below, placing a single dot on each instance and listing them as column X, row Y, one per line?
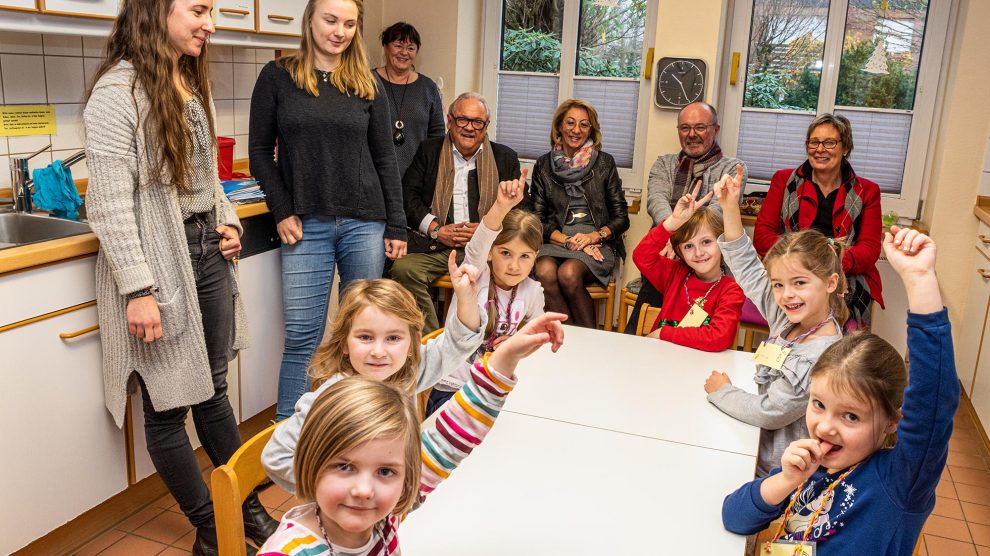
column 231, row 484
column 647, row 316
column 423, row 397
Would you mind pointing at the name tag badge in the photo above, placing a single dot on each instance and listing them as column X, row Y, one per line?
column 788, row 548
column 771, row 355
column 694, row 318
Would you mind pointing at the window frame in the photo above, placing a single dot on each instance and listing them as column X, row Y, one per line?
column 634, row 178
column 931, row 70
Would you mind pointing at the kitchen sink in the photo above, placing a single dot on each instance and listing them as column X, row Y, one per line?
column 18, row 229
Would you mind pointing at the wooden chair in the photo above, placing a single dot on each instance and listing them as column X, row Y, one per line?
column 231, row 484
column 627, row 300
column 424, row 397
column 647, row 316
column 443, row 283
column 604, row 296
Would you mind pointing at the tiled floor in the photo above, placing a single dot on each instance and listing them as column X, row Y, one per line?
column 959, row 526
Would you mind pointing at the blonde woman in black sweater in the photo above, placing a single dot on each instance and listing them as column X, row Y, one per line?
column 334, row 187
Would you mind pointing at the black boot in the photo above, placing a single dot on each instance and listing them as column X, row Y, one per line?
column 258, row 525
column 206, row 543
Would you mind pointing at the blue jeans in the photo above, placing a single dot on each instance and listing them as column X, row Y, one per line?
column 358, row 248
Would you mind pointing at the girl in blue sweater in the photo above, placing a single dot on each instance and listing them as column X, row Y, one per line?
column 854, row 487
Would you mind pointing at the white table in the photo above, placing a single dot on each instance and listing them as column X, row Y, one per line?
column 538, row 486
column 608, row 446
column 635, row 385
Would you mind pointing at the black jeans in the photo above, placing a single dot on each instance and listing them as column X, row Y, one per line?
column 647, row 294
column 168, row 443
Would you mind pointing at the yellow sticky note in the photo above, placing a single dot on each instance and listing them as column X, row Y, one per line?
column 694, row 318
column 27, row 119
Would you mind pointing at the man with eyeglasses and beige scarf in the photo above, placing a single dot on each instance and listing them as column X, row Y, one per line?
column 450, row 185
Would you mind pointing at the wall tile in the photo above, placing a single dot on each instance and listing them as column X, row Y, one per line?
column 5, row 174
column 244, row 77
column 264, row 55
column 20, row 43
column 221, row 53
column 242, row 116
column 65, row 77
column 225, row 117
column 93, row 46
column 62, row 45
column 90, row 65
column 244, row 55
column 3, row 150
column 70, row 133
column 23, row 79
column 241, row 146
column 222, row 76
column 27, row 144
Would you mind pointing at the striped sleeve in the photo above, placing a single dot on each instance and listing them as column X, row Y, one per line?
column 461, row 424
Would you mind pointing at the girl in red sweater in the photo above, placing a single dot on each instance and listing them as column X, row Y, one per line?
column 701, row 304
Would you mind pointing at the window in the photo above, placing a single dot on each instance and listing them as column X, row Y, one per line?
column 542, row 52
column 876, row 62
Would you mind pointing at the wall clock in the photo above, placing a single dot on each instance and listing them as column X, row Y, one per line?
column 680, row 81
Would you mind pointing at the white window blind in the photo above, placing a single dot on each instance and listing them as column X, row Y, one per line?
column 616, row 102
column 525, row 108
column 771, row 141
column 880, row 142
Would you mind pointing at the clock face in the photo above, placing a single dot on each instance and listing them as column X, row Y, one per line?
column 680, row 81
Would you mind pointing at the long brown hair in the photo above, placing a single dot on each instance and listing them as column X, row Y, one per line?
column 348, row 414
column 389, row 297
column 866, row 367
column 822, row 256
column 517, row 224
column 140, row 36
column 352, row 76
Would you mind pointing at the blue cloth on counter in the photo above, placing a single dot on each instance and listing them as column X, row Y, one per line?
column 55, row 192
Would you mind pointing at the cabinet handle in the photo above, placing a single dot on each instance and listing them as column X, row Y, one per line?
column 277, row 17
column 77, row 333
column 984, row 239
column 230, row 11
column 983, row 273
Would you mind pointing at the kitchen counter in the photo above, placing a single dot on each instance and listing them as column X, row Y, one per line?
column 57, row 250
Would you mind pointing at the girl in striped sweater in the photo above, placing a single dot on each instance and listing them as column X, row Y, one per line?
column 362, row 463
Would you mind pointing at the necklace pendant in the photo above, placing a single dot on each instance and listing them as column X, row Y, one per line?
column 398, row 137
column 399, row 124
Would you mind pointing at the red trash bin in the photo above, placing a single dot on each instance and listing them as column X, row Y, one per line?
column 225, row 157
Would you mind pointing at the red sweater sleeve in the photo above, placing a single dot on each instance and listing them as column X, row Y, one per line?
column 862, row 257
column 769, row 226
column 720, row 332
column 655, row 267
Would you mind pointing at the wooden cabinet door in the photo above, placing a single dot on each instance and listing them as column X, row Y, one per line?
column 280, row 17
column 970, row 334
column 65, row 453
column 236, row 15
column 261, row 290
column 104, row 9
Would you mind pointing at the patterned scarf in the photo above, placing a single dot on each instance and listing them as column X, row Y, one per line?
column 690, row 169
column 848, row 207
column 444, row 190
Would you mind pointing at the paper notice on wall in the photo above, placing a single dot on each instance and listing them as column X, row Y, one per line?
column 27, row 119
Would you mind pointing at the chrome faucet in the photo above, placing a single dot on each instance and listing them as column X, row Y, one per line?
column 23, row 184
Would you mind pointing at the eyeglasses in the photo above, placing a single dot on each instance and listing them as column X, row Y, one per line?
column 829, row 144
column 407, row 47
column 684, row 129
column 476, row 123
column 585, row 125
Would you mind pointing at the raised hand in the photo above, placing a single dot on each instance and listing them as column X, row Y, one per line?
column 463, row 277
column 544, row 329
column 912, row 254
column 510, row 192
column 686, row 206
column 728, row 190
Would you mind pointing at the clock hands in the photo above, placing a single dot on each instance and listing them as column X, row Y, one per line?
column 679, row 82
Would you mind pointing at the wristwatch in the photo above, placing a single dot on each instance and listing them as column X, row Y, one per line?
column 435, row 232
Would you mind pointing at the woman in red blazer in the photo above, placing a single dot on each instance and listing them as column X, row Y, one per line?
column 825, row 194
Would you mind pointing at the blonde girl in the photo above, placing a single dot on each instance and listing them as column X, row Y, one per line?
column 701, row 304
column 362, row 463
column 334, row 186
column 376, row 333
column 851, row 486
column 798, row 289
column 504, row 248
